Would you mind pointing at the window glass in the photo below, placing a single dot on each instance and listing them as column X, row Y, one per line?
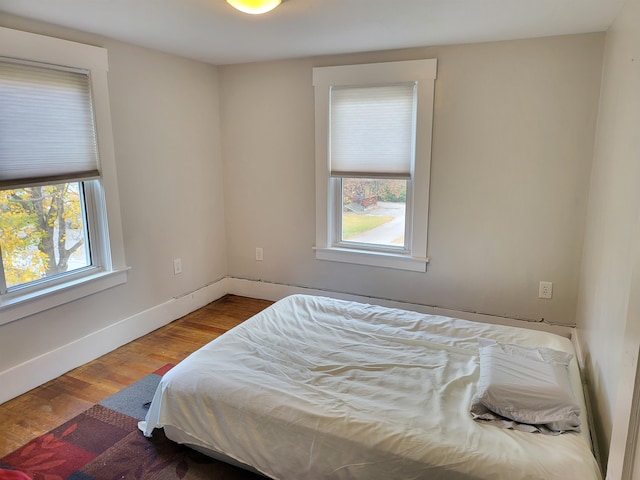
column 43, row 232
column 373, row 211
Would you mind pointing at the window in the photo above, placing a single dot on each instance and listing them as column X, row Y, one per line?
column 57, row 242
column 373, row 153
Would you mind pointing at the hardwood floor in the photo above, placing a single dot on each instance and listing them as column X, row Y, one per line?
column 45, row 407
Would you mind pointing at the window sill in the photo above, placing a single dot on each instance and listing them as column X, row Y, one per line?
column 374, row 259
column 19, row 306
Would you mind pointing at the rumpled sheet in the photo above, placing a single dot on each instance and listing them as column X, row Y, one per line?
column 316, row 388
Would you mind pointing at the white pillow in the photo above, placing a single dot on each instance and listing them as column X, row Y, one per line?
column 525, row 388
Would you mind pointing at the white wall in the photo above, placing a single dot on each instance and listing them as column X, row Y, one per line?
column 166, row 128
column 512, row 150
column 612, row 232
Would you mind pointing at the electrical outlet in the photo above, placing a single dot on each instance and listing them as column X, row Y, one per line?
column 177, row 266
column 259, row 254
column 545, row 290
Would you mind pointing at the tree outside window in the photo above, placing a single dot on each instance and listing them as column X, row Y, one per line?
column 42, row 232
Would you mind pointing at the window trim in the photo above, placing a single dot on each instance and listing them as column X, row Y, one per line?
column 424, row 73
column 107, row 230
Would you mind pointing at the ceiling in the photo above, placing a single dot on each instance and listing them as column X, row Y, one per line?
column 213, row 32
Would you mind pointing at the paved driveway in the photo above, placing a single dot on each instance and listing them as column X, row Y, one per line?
column 389, row 233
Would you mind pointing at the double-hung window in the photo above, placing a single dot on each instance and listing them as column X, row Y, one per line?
column 373, row 150
column 55, row 236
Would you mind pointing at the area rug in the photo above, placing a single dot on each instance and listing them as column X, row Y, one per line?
column 104, row 443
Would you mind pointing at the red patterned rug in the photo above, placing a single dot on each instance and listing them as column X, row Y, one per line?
column 104, row 444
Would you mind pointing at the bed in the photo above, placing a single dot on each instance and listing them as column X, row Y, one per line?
column 318, row 388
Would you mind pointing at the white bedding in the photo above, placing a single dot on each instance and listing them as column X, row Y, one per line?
column 316, row 388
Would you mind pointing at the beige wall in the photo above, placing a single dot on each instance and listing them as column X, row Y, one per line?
column 166, row 128
column 612, row 228
column 512, row 150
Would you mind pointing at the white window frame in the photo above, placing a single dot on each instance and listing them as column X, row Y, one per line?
column 105, row 226
column 327, row 245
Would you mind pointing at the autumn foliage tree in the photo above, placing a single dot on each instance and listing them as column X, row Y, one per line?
column 384, row 190
column 40, row 228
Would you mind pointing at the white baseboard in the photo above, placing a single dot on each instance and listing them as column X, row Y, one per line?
column 275, row 291
column 36, row 371
column 577, row 344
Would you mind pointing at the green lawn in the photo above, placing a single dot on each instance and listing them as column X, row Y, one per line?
column 353, row 223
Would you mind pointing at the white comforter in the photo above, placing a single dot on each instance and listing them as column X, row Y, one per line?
column 316, row 388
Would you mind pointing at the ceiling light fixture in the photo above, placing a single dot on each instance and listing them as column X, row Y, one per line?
column 254, row 6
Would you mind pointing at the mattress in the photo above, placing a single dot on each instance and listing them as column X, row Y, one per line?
column 315, row 388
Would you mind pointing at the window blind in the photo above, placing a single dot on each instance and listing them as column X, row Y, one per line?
column 372, row 131
column 47, row 130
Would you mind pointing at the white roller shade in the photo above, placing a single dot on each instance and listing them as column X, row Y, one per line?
column 47, row 129
column 372, row 131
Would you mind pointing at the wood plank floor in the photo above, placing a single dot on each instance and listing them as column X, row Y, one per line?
column 45, row 407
